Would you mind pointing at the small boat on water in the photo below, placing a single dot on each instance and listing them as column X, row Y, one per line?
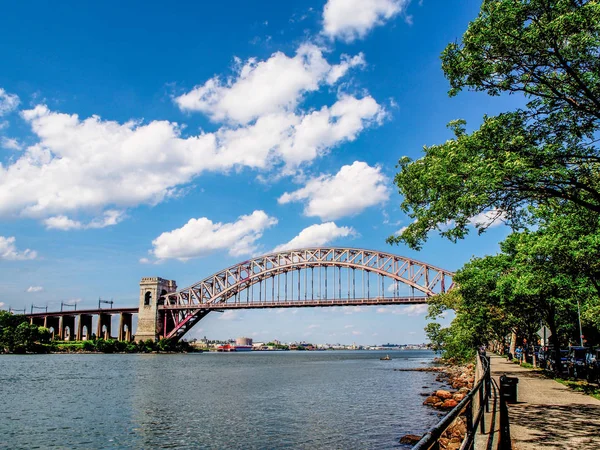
column 385, row 358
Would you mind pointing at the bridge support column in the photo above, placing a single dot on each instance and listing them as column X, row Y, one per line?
column 104, row 320
column 64, row 323
column 125, row 321
column 84, row 320
column 151, row 289
column 52, row 323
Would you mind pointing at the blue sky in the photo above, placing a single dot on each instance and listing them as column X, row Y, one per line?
column 173, row 140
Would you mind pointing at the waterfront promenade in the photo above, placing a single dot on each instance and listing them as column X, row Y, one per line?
column 548, row 415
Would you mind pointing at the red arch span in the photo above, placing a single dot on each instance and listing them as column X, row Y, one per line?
column 184, row 308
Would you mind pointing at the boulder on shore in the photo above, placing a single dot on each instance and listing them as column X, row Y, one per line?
column 443, row 394
column 411, row 439
column 449, row 404
column 432, row 400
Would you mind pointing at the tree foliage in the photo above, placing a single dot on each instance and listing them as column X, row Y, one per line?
column 17, row 335
column 539, row 277
column 544, row 153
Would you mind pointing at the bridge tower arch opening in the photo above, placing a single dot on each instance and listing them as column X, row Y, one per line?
column 151, row 290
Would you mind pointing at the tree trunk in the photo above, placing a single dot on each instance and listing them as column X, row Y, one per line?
column 555, row 342
column 513, row 342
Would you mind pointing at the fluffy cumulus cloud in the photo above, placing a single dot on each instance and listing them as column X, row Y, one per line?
column 10, row 143
column 201, row 237
column 33, row 289
column 350, row 191
column 265, row 87
column 9, row 251
column 316, row 236
column 110, row 217
column 8, row 102
column 353, row 19
column 103, row 166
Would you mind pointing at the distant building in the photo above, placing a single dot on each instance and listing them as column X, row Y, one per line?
column 243, row 341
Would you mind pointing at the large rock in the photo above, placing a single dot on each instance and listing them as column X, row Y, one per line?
column 411, row 439
column 431, row 400
column 449, row 404
column 443, row 394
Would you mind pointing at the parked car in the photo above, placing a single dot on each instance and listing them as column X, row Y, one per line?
column 563, row 369
column 576, row 362
column 593, row 365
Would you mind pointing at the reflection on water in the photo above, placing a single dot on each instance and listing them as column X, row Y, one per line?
column 252, row 400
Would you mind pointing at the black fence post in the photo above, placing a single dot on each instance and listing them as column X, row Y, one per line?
column 488, row 384
column 505, row 443
column 481, row 400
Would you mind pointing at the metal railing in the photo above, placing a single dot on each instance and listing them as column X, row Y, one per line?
column 473, row 419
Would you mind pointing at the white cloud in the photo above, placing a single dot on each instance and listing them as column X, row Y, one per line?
column 2, row 304
column 110, row 217
column 9, row 252
column 200, row 237
column 313, row 326
column 62, row 223
column 356, row 333
column 231, row 314
column 352, row 19
column 491, row 218
column 8, row 102
column 401, row 230
column 316, row 236
column 349, row 192
column 10, row 143
column 266, row 87
column 35, row 289
column 100, row 166
column 408, row 310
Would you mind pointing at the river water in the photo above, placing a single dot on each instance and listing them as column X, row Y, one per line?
column 258, row 400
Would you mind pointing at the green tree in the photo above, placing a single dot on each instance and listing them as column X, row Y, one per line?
column 544, row 153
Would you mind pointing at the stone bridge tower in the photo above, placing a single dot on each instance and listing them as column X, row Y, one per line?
column 151, row 289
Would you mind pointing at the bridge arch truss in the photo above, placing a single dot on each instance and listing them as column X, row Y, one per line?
column 319, row 277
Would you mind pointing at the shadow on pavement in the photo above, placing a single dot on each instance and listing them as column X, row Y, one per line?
column 559, row 425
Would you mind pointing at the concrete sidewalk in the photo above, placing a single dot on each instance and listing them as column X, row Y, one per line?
column 548, row 415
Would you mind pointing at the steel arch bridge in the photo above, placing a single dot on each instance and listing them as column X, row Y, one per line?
column 310, row 277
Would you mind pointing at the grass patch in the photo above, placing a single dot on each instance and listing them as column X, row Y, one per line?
column 67, row 344
column 581, row 386
column 525, row 365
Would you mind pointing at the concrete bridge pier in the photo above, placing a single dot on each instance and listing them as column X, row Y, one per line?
column 125, row 327
column 84, row 320
column 53, row 324
column 64, row 323
column 151, row 290
column 104, row 321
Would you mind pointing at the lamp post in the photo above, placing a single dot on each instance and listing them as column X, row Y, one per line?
column 579, row 318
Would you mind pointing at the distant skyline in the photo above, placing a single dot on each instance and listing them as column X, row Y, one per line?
column 173, row 140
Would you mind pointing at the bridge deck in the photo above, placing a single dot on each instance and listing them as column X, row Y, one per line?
column 303, row 303
column 250, row 305
column 84, row 311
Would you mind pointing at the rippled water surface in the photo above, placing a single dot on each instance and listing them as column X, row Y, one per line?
column 253, row 400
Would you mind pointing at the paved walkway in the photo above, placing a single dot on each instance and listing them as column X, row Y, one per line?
column 548, row 415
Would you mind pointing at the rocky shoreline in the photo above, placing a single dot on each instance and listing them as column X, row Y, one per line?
column 460, row 380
